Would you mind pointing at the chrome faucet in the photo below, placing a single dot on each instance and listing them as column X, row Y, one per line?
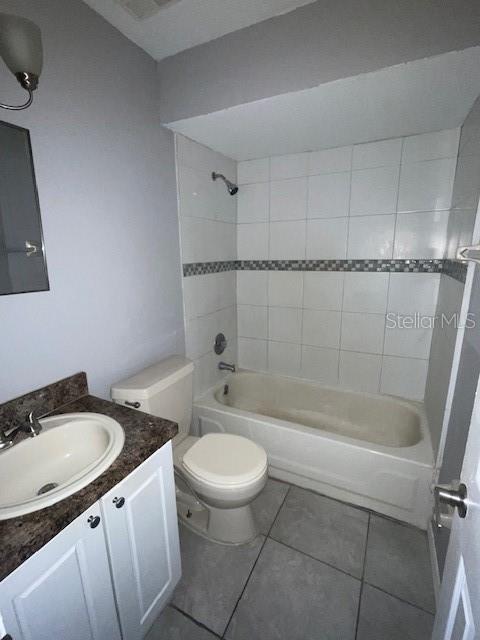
column 223, row 366
column 31, row 426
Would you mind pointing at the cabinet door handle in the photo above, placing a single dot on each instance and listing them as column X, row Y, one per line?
column 119, row 502
column 93, row 521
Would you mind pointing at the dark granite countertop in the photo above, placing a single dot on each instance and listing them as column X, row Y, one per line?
column 21, row 537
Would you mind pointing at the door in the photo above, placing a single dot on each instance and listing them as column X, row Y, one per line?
column 458, row 616
column 142, row 535
column 64, row 590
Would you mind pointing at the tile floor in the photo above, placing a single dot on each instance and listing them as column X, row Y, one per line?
column 320, row 569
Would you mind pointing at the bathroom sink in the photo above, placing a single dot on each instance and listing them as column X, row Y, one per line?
column 70, row 452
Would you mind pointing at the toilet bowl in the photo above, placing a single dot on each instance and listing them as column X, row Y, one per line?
column 218, row 475
column 226, row 472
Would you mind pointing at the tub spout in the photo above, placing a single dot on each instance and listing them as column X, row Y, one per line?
column 223, row 366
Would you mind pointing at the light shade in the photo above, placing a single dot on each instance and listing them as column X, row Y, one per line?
column 20, row 44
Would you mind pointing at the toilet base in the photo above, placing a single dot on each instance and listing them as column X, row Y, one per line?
column 224, row 526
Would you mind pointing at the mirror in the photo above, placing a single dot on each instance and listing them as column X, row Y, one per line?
column 22, row 257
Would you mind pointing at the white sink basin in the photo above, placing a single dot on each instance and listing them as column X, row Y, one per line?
column 70, row 452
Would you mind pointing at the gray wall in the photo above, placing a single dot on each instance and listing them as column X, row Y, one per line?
column 317, row 43
column 106, row 180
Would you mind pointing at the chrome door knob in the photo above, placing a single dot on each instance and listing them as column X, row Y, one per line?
column 453, row 497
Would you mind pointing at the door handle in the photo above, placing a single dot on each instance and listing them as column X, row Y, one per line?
column 455, row 498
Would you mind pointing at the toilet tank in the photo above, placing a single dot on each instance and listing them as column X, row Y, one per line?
column 165, row 390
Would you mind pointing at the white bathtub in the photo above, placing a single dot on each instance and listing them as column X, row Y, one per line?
column 367, row 449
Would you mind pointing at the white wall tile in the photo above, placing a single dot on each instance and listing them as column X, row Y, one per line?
column 285, row 288
column 327, row 239
column 252, row 321
column 377, row 154
column 329, row 195
column 225, row 284
column 323, row 290
column 200, row 295
column 330, row 160
column 287, row 240
column 430, row 146
column 253, row 203
column 412, row 293
column 288, row 199
column 207, row 240
column 252, row 241
column 413, row 343
column 426, row 186
column 366, row 292
column 252, row 287
column 320, row 364
column 252, row 354
column 321, row 328
column 250, row 171
column 404, row 377
column 290, row 166
column 284, row 358
column 374, row 191
column 198, row 334
column 362, row 332
column 371, row 237
column 197, row 197
column 360, row 371
column 421, row 235
column 284, row 325
column 204, row 374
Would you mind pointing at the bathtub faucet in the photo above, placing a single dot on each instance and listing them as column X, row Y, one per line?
column 223, row 366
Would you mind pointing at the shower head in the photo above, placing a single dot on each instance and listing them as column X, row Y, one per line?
column 231, row 187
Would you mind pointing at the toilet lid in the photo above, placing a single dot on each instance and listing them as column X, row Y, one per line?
column 225, row 459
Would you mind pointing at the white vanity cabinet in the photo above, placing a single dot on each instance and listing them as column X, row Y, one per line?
column 64, row 591
column 143, row 542
column 109, row 573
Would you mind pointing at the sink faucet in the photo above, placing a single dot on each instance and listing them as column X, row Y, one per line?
column 31, row 426
column 223, row 366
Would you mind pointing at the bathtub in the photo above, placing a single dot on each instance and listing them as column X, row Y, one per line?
column 370, row 450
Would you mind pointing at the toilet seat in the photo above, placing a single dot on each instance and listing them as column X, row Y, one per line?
column 225, row 460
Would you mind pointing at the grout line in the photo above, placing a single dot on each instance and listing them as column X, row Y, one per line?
column 392, row 595
column 192, row 619
column 278, row 511
column 308, row 555
column 360, row 595
column 256, row 560
column 244, row 587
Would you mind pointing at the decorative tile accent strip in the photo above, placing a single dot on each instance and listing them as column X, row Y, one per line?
column 392, row 266
column 453, row 268
column 202, row 268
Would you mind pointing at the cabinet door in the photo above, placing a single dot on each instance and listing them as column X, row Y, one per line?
column 64, row 591
column 142, row 537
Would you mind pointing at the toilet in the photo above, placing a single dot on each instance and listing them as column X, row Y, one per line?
column 218, row 475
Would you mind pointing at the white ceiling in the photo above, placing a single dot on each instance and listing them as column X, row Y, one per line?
column 187, row 23
column 416, row 97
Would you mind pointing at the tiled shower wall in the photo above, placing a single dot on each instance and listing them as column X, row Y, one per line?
column 207, row 216
column 381, row 200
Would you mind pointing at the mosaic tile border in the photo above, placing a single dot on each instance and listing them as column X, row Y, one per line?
column 453, row 268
